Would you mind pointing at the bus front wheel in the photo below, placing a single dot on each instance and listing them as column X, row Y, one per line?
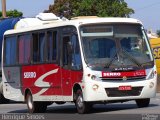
column 143, row 102
column 35, row 107
column 81, row 105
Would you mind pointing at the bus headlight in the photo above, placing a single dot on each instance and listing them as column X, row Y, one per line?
column 153, row 73
column 151, row 85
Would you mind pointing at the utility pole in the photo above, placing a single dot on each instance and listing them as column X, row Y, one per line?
column 4, row 9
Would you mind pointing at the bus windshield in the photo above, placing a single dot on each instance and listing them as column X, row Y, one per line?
column 115, row 45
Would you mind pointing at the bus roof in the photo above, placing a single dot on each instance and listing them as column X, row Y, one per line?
column 75, row 21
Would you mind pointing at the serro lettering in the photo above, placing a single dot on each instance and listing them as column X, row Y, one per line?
column 111, row 74
column 29, row 74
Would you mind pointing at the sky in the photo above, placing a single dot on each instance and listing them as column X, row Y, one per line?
column 30, row 8
column 145, row 10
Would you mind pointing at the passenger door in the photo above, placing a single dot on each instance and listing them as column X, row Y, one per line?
column 66, row 63
column 70, row 60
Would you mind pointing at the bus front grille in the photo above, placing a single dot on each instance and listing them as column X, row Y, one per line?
column 126, row 79
column 115, row 92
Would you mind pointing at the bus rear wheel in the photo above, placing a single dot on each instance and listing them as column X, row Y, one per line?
column 35, row 107
column 3, row 99
column 81, row 105
column 143, row 102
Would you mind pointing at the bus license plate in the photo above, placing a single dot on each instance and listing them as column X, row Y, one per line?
column 125, row 88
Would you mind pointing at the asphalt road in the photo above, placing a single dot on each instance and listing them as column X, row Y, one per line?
column 120, row 111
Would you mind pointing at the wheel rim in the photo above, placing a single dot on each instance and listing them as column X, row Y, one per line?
column 30, row 102
column 80, row 101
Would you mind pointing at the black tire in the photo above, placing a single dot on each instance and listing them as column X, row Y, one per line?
column 35, row 107
column 82, row 106
column 49, row 103
column 3, row 99
column 60, row 103
column 143, row 102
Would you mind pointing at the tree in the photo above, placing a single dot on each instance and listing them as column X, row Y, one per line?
column 101, row 8
column 13, row 13
column 158, row 33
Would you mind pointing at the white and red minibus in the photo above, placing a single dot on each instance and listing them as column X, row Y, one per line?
column 83, row 60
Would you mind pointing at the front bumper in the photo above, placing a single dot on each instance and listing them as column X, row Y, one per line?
column 140, row 89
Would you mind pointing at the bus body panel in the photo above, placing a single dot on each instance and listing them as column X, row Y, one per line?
column 101, row 94
column 49, row 81
column 5, row 24
column 42, row 76
column 108, row 90
column 12, row 83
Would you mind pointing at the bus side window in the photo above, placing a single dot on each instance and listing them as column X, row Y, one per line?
column 76, row 56
column 66, row 50
column 51, row 45
column 7, row 51
column 11, row 50
column 35, row 48
column 24, row 48
column 41, row 47
column 54, row 46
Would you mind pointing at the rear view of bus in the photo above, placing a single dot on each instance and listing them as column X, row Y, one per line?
column 119, row 63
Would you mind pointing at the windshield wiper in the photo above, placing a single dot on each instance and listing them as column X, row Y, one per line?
column 150, row 63
column 112, row 59
column 131, row 58
column 127, row 54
